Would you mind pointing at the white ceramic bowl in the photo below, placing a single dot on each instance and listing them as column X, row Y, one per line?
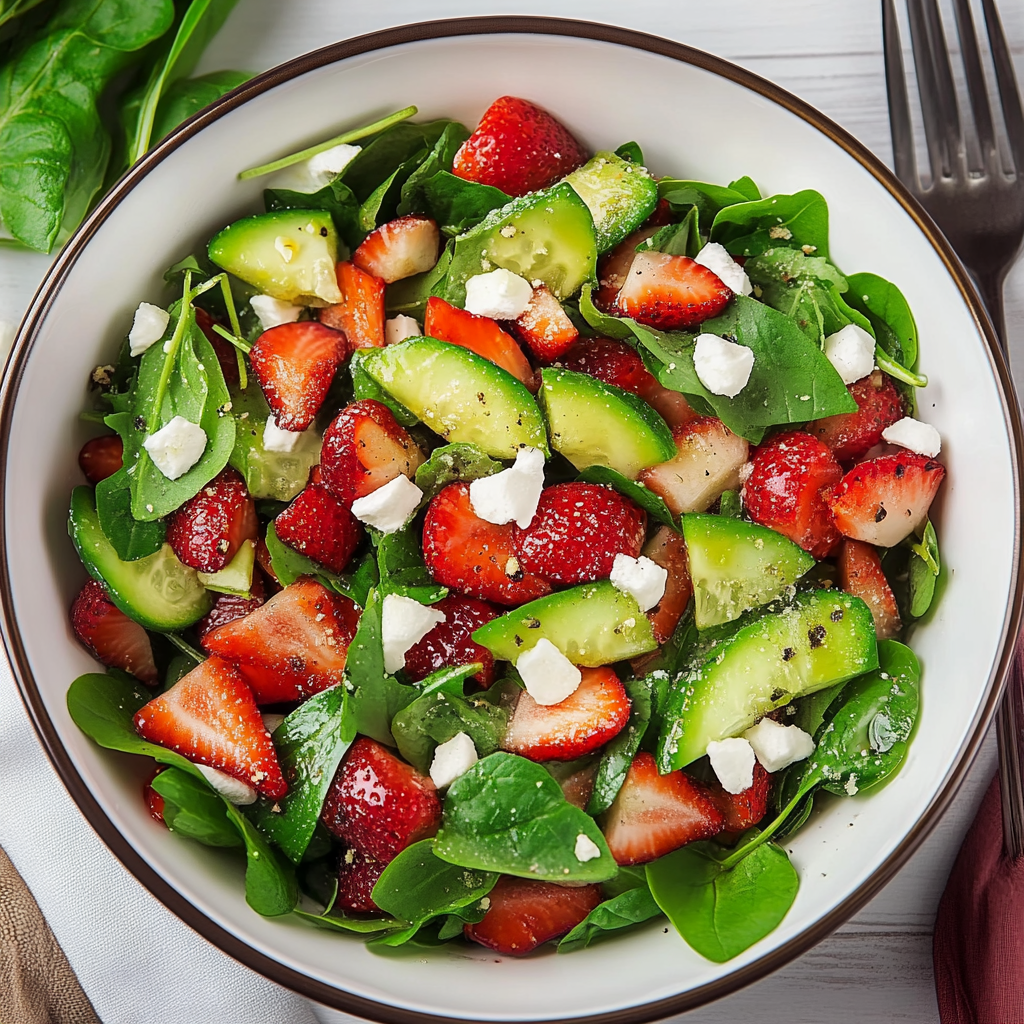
column 694, row 116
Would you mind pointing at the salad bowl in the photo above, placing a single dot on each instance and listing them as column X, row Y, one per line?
column 694, row 115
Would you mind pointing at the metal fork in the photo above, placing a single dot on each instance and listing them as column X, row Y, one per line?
column 979, row 205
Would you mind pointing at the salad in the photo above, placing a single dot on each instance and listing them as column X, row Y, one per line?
column 496, row 542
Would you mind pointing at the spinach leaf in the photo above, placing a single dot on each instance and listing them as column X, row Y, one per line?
column 746, row 187
column 630, row 151
column 128, row 537
column 884, row 305
column 619, row 752
column 708, row 199
column 364, row 386
column 270, row 886
column 409, row 296
column 458, row 205
column 811, row 710
column 402, row 570
column 439, row 160
column 634, row 906
column 681, row 239
column 450, row 680
column 453, row 463
column 380, row 205
column 11, row 9
column 730, row 505
column 609, row 326
column 349, row 925
column 186, row 97
column 377, row 161
column 751, row 228
column 923, row 571
column 195, row 810
column 653, row 504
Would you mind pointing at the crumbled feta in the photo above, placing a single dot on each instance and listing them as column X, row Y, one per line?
column 548, row 674
column 452, row 759
column 512, row 494
column 919, row 437
column 400, row 327
column 177, row 447
column 389, row 507
column 404, row 623
column 271, row 720
column 852, row 352
column 274, row 312
column 640, row 578
column 777, row 746
column 235, row 791
column 733, row 762
column 586, row 849
column 723, row 367
column 500, row 294
column 148, row 327
column 275, row 439
column 313, row 174
column 717, row 259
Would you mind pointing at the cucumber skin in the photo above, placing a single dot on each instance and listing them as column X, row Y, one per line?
column 632, row 189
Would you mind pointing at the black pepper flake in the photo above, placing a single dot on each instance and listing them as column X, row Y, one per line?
column 900, row 470
column 323, row 232
column 837, row 615
column 777, row 694
column 140, row 423
column 532, row 623
column 788, row 654
column 880, row 514
column 816, row 636
column 517, row 640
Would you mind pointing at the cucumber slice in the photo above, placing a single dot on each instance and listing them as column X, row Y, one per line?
column 545, row 236
column 236, row 577
column 736, row 566
column 823, row 637
column 620, row 196
column 364, row 386
column 459, row 395
column 593, row 624
column 288, row 254
column 596, row 424
column 157, row 591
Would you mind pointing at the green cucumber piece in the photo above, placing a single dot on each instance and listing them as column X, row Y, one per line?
column 288, row 254
column 823, row 637
column 593, row 624
column 157, row 591
column 736, row 566
column 459, row 395
column 620, row 196
column 364, row 386
column 596, row 424
column 545, row 236
column 236, row 577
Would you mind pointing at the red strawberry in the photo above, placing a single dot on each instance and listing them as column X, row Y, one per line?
column 784, row 490
column 378, row 804
column 584, row 721
column 110, row 635
column 360, row 314
column 852, row 434
column 545, row 326
column 228, row 607
column 518, row 148
column 475, row 557
column 578, row 530
column 210, row 717
column 263, row 560
column 320, row 526
column 291, row 647
column 669, row 292
column 207, row 531
column 357, row 875
column 295, row 364
column 860, row 574
column 613, row 268
column 450, row 643
column 154, row 801
column 365, row 448
column 743, row 810
column 655, row 814
column 668, row 549
column 223, row 349
column 886, row 499
column 399, row 249
column 101, row 457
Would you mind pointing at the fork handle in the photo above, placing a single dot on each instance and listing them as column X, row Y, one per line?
column 991, row 288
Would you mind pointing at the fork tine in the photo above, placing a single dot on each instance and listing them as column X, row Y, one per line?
column 975, row 79
column 899, row 106
column 1009, row 95
column 938, row 101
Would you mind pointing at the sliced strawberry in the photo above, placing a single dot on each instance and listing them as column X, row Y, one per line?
column 291, row 647
column 228, row 607
column 584, row 721
column 365, row 448
column 264, row 561
column 669, row 292
column 576, row 780
column 668, row 549
column 378, row 804
column 101, row 457
column 223, row 349
column 154, row 801
column 578, row 530
column 545, row 327
column 210, row 717
column 784, row 490
column 886, row 499
column 852, row 434
column 613, row 268
column 475, row 557
column 518, row 148
column 743, row 810
column 103, row 629
column 357, row 875
column 295, row 364
column 860, row 574
column 360, row 314
column 450, row 643
column 654, row 814
column 402, row 247
column 320, row 526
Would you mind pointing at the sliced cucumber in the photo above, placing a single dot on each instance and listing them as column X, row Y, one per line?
column 546, row 236
column 596, row 424
column 736, row 566
column 157, row 591
column 288, row 254
column 236, row 576
column 593, row 624
column 620, row 196
column 364, row 386
column 459, row 395
column 823, row 637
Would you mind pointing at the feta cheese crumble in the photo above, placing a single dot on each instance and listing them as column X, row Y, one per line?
column 640, row 578
column 500, row 295
column 404, row 623
column 733, row 762
column 586, row 849
column 276, row 439
column 177, row 447
column 235, row 791
column 452, row 759
column 313, row 174
column 717, row 259
column 274, row 312
column 852, row 352
column 777, row 746
column 549, row 675
column 919, row 437
column 389, row 507
column 512, row 494
column 400, row 327
column 148, row 327
column 723, row 367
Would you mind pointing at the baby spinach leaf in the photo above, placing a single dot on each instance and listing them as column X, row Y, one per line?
column 349, row 925
column 449, row 680
column 730, row 505
column 608, row 326
column 195, row 810
column 632, row 907
column 923, row 571
column 270, row 886
column 884, row 305
column 618, row 753
column 708, row 199
column 380, row 205
column 811, row 710
column 401, row 567
column 379, row 159
column 751, row 228
column 364, row 386
column 746, row 187
column 453, row 463
column 410, row 295
column 439, row 160
column 653, row 504
column 458, row 205
column 186, row 97
column 630, row 151
column 681, row 239
column 11, row 9
column 128, row 537
column 289, row 564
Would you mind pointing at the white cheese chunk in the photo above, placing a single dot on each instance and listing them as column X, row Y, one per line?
column 277, row 440
column 313, row 174
column 400, row 327
column 586, row 849
column 512, row 494
column 723, row 367
column 389, row 507
column 452, row 759
column 777, row 746
column 177, row 447
column 733, row 763
column 919, row 437
column 548, row 674
column 274, row 312
column 147, row 328
column 499, row 294
column 235, row 791
column 404, row 623
column 716, row 258
column 640, row 578
column 851, row 351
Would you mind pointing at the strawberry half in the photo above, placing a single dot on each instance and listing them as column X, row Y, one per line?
column 860, row 574
column 228, row 607
column 154, row 801
column 320, row 526
column 670, row 292
column 545, row 327
column 360, row 315
column 295, row 364
column 668, row 549
column 518, row 148
column 613, row 267
column 450, row 643
column 402, row 247
column 110, row 636
column 101, row 457
column 743, row 810
column 357, row 875
column 210, row 717
column 584, row 721
column 852, row 434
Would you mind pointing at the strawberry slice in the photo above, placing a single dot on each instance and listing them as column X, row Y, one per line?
column 450, row 643
column 474, row 557
column 210, row 717
column 320, row 526
column 613, row 268
column 207, row 531
column 264, row 561
column 852, row 434
column 228, row 607
column 743, row 810
column 295, row 364
column 357, row 875
column 154, row 801
column 101, row 457
column 360, row 314
column 518, row 148
column 480, row 334
column 365, row 448
column 378, row 804
column 584, row 721
column 860, row 574
column 291, row 647
column 886, row 499
column 670, row 292
column 578, row 530
column 654, row 814
column 110, row 636
column 784, row 490
column 545, row 327
column 402, row 247
column 222, row 348
column 668, row 549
